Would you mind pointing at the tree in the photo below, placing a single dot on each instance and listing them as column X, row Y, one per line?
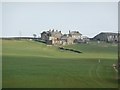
column 34, row 35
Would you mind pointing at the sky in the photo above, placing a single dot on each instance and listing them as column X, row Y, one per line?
column 89, row 18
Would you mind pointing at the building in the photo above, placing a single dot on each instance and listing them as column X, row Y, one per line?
column 66, row 39
column 83, row 39
column 75, row 34
column 51, row 36
column 106, row 36
column 45, row 35
column 57, row 38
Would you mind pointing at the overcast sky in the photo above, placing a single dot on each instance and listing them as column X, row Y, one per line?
column 89, row 18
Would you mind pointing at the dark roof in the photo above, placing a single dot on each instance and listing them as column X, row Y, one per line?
column 52, row 33
column 64, row 37
column 108, row 33
column 105, row 34
column 75, row 33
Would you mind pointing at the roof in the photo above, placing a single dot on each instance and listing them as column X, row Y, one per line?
column 105, row 34
column 109, row 33
column 64, row 37
column 74, row 33
column 52, row 33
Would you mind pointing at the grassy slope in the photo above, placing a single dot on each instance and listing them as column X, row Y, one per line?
column 33, row 64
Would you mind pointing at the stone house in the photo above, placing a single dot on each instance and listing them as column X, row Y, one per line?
column 66, row 39
column 75, row 34
column 51, row 36
column 45, row 35
column 83, row 39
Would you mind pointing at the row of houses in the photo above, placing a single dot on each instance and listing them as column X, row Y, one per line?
column 55, row 37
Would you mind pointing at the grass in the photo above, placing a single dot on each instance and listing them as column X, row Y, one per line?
column 35, row 65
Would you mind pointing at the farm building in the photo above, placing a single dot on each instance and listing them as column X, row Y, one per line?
column 108, row 37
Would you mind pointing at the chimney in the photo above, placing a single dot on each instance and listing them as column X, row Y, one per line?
column 53, row 30
column 49, row 30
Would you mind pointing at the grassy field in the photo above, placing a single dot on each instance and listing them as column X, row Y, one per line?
column 36, row 65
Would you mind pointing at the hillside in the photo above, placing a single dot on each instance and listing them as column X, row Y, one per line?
column 32, row 48
column 36, row 65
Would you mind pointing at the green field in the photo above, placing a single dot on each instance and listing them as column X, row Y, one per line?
column 30, row 64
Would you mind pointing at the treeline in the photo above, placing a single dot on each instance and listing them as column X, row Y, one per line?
column 23, row 38
column 16, row 38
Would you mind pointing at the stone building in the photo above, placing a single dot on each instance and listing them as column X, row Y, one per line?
column 56, row 37
column 51, row 36
column 66, row 39
column 75, row 34
column 83, row 39
column 45, row 35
